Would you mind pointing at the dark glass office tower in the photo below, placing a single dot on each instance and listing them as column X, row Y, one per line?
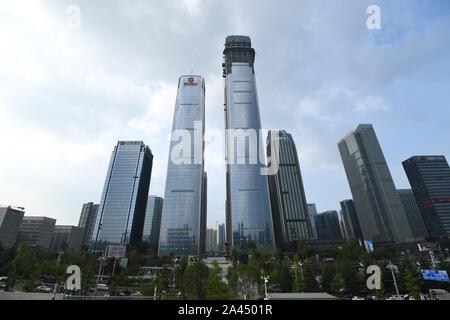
column 327, row 224
column 152, row 224
column 287, row 194
column 248, row 213
column 121, row 214
column 184, row 210
column 10, row 221
column 312, row 212
column 413, row 214
column 350, row 219
column 378, row 205
column 429, row 177
column 87, row 221
column 221, row 236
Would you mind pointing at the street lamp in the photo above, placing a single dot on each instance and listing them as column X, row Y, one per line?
column 266, row 280
column 391, row 266
column 102, row 259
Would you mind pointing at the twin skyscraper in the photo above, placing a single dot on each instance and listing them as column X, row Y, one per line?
column 248, row 207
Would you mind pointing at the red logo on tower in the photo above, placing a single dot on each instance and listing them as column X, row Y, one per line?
column 190, row 82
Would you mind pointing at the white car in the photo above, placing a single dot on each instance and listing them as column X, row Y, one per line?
column 102, row 287
column 44, row 289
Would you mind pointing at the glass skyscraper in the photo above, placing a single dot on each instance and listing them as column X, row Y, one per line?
column 312, row 212
column 152, row 224
column 287, row 195
column 184, row 209
column 87, row 221
column 121, row 214
column 429, row 177
column 248, row 212
column 413, row 214
column 328, row 227
column 378, row 205
column 350, row 220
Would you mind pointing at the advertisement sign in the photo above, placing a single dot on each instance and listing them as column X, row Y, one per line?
column 369, row 245
column 435, row 275
column 115, row 251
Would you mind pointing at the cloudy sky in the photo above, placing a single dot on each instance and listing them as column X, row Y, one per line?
column 68, row 94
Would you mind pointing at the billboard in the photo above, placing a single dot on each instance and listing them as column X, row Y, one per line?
column 115, row 251
column 369, row 245
column 435, row 275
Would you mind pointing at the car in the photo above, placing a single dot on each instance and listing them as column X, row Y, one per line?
column 358, row 298
column 102, row 287
column 129, row 293
column 44, row 289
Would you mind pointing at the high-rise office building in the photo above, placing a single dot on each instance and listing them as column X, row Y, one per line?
column 70, row 237
column 327, row 224
column 413, row 214
column 350, row 220
column 211, row 240
column 429, row 177
column 184, row 210
column 312, row 212
column 37, row 231
column 10, row 221
column 87, row 221
column 287, row 194
column 152, row 224
column 248, row 212
column 222, row 236
column 121, row 214
column 378, row 205
column 203, row 213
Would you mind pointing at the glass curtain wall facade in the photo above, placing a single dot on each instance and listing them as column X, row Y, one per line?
column 378, row 205
column 429, row 177
column 10, row 221
column 312, row 212
column 152, row 224
column 287, row 194
column 327, row 224
column 184, row 210
column 248, row 212
column 413, row 214
column 350, row 219
column 121, row 214
column 87, row 221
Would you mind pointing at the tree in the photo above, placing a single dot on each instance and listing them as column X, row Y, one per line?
column 412, row 283
column 309, row 280
column 328, row 272
column 195, row 279
column 216, row 289
column 23, row 265
column 338, row 285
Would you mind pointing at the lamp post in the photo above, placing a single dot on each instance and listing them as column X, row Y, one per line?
column 266, row 280
column 391, row 266
column 101, row 260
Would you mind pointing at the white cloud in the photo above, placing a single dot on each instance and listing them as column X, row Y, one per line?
column 68, row 96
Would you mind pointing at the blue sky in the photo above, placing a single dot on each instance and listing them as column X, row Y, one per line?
column 67, row 95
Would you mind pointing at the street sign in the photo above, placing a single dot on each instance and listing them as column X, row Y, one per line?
column 123, row 262
column 435, row 275
column 116, row 251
